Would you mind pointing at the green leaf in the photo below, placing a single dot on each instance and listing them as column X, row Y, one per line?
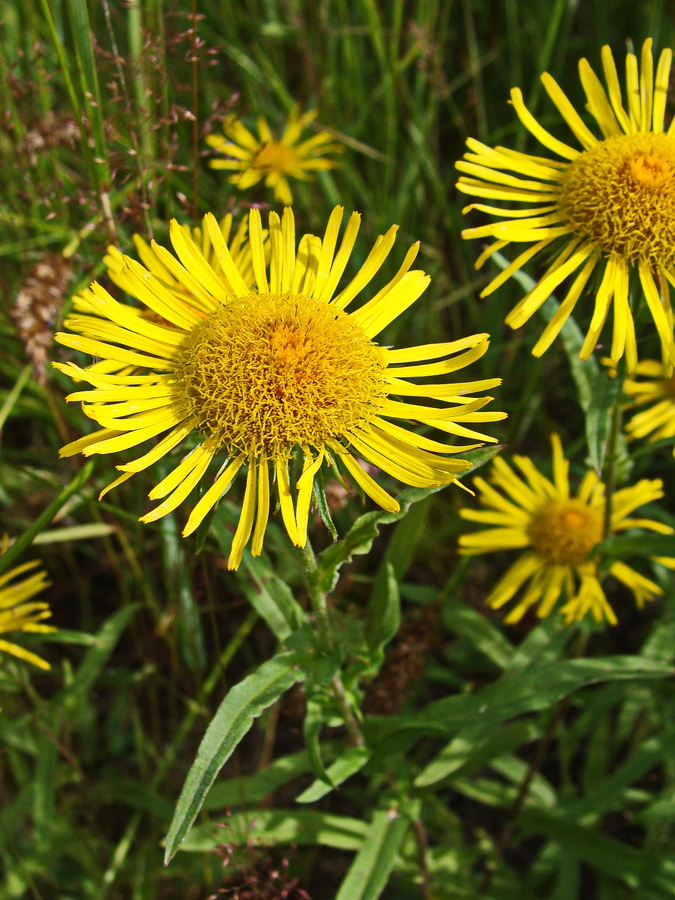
column 605, row 393
column 234, row 718
column 269, row 827
column 349, row 763
column 515, row 693
column 44, row 519
column 615, row 858
column 624, row 546
column 359, row 539
column 384, row 611
column 270, row 597
column 15, row 393
column 319, row 492
column 249, row 789
column 314, row 720
column 406, row 537
column 369, row 872
column 72, row 697
column 474, row 747
column 610, row 792
column 84, row 51
column 479, row 631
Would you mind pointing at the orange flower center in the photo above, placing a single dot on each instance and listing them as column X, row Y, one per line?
column 620, row 196
column 564, row 532
column 268, row 371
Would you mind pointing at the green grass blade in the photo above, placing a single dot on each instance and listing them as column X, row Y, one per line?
column 84, row 51
column 43, row 520
column 369, row 873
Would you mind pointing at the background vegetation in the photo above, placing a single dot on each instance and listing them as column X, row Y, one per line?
column 105, row 110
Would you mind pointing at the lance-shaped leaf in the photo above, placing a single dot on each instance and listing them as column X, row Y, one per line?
column 234, row 718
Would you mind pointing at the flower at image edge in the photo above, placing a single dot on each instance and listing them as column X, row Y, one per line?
column 609, row 206
column 253, row 159
column 652, row 389
column 556, row 533
column 270, row 377
column 18, row 614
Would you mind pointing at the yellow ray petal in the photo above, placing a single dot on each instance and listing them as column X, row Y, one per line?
column 263, row 507
column 220, row 486
column 245, row 524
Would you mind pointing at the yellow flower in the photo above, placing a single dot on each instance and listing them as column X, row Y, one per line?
column 652, row 388
column 276, row 377
column 557, row 533
column 610, row 205
column 254, row 158
column 18, row 615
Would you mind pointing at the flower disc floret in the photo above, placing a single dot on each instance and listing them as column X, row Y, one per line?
column 253, row 158
column 275, row 157
column 620, row 195
column 270, row 371
column 564, row 532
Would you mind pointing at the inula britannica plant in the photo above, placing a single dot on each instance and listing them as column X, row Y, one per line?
column 360, row 591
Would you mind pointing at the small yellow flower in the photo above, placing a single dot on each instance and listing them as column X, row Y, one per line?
column 276, row 377
column 609, row 206
column 16, row 614
column 557, row 533
column 653, row 389
column 254, row 158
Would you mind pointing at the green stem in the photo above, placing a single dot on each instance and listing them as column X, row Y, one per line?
column 317, row 598
column 319, row 601
column 612, row 456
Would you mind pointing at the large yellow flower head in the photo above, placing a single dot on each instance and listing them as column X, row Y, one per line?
column 272, row 375
column 557, row 532
column 253, row 159
column 654, row 391
column 609, row 206
column 18, row 614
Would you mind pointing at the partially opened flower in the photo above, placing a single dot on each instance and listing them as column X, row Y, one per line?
column 609, row 207
column 19, row 613
column 556, row 533
column 278, row 378
column 253, row 159
column 652, row 389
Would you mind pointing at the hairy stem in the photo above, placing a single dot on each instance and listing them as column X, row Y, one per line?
column 319, row 602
